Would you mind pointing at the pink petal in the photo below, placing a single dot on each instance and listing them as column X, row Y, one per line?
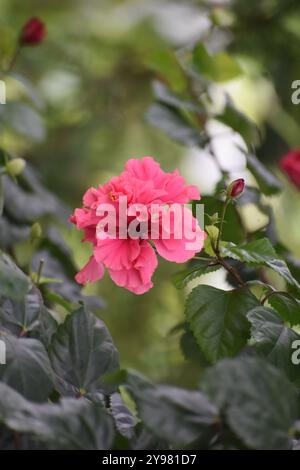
column 182, row 240
column 172, row 185
column 116, row 253
column 84, row 217
column 137, row 278
column 145, row 169
column 91, row 272
column 90, row 197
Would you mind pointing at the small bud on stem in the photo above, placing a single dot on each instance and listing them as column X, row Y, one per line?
column 32, row 33
column 15, row 166
column 236, row 188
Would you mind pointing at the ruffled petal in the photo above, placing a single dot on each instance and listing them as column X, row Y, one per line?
column 117, row 254
column 137, row 278
column 181, row 239
column 91, row 272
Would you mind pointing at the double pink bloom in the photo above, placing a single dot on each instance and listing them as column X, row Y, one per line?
column 132, row 262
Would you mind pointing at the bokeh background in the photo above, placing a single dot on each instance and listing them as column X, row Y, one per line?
column 94, row 73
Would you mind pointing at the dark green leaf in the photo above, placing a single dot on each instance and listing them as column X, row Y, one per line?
column 11, row 233
column 22, row 315
column 260, row 253
column 47, row 326
column 81, row 352
column 175, row 126
column 27, row 367
column 259, row 403
column 72, row 424
column 190, row 349
column 273, row 340
column 68, row 291
column 164, row 95
column 176, row 415
column 267, row 181
column 182, row 278
column 218, row 320
column 13, row 282
column 124, row 419
column 26, row 206
column 233, row 118
column 287, row 306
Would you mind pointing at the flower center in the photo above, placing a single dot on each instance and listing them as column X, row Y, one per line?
column 112, row 196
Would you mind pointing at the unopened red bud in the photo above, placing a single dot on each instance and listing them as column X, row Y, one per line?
column 33, row 32
column 236, row 188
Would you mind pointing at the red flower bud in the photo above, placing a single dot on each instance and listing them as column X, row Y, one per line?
column 33, row 32
column 290, row 165
column 236, row 188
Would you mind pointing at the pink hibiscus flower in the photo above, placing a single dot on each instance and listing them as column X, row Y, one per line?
column 153, row 219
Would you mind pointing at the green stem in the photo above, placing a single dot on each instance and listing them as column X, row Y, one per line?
column 273, row 292
column 13, row 60
column 217, row 248
column 40, row 270
column 202, row 258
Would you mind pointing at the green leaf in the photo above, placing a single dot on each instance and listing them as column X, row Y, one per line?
column 23, row 119
column 219, row 67
column 190, row 349
column 175, row 126
column 72, row 424
column 260, row 253
column 11, row 233
column 164, row 95
column 47, row 326
column 218, row 320
column 240, row 123
column 163, row 61
column 258, row 402
column 267, row 181
column 176, row 415
column 26, row 206
column 211, row 240
column 13, row 282
column 58, row 299
column 124, row 419
column 182, row 278
column 287, row 306
column 273, row 340
column 232, row 229
column 27, row 367
column 22, row 315
column 82, row 351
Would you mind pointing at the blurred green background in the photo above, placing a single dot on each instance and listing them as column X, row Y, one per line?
column 93, row 75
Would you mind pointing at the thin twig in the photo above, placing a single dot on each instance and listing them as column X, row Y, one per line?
column 233, row 272
column 273, row 292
